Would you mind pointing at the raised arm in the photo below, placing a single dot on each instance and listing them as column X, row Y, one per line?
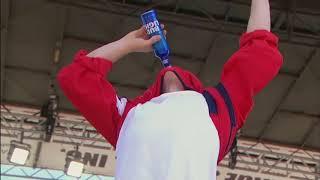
column 83, row 82
column 246, row 73
column 259, row 16
column 254, row 65
column 84, row 85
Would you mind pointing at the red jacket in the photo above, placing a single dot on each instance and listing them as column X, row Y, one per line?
column 250, row 69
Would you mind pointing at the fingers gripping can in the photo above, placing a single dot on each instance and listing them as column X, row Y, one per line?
column 152, row 25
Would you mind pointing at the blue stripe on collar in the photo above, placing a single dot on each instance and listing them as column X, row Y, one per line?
column 212, row 105
column 225, row 95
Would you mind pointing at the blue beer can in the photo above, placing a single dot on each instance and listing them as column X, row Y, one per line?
column 152, row 25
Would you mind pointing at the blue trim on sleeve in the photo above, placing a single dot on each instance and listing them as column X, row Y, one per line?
column 225, row 95
column 211, row 102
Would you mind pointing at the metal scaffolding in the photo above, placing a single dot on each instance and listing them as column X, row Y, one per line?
column 69, row 129
column 266, row 159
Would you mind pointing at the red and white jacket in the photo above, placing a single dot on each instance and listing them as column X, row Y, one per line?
column 249, row 70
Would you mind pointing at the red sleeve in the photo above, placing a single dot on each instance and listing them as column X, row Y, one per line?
column 250, row 69
column 83, row 82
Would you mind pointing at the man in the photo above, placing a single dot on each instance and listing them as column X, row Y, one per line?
column 176, row 130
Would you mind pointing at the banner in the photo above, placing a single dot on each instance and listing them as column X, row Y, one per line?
column 96, row 161
column 225, row 173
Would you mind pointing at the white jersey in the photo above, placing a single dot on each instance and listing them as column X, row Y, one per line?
column 171, row 137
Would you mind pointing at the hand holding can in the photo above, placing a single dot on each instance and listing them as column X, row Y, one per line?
column 152, row 25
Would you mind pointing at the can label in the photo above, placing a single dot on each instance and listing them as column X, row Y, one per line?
column 152, row 27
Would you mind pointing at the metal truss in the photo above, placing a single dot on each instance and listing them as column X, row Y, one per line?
column 254, row 156
column 39, row 173
column 69, row 129
column 293, row 163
